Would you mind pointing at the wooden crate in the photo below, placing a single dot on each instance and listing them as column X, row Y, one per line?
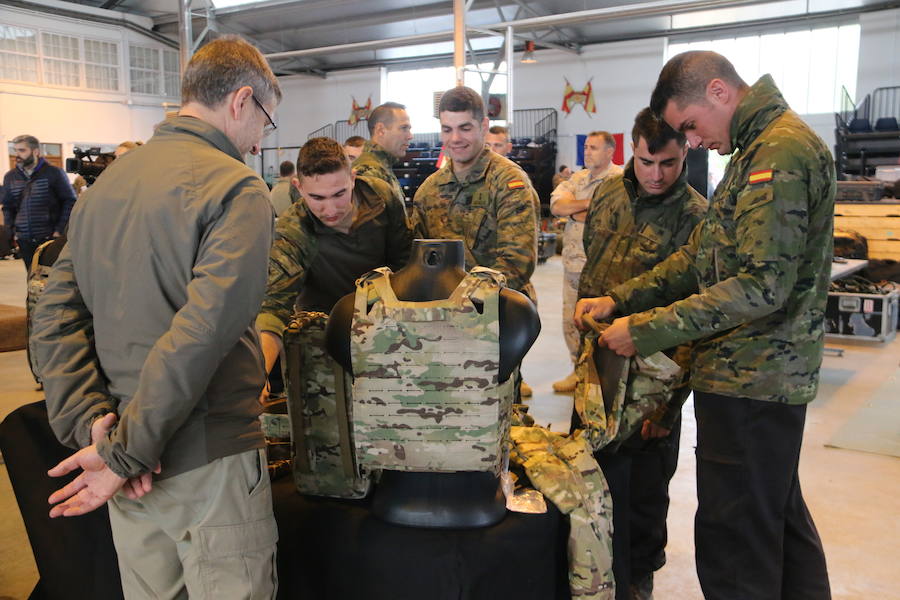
column 878, row 222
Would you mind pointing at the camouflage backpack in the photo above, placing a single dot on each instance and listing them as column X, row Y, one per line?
column 41, row 264
column 319, row 409
column 426, row 391
column 639, row 387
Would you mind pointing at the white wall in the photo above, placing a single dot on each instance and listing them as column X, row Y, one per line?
column 623, row 73
column 309, row 103
column 76, row 116
column 879, row 51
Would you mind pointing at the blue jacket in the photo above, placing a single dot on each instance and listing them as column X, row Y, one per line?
column 46, row 206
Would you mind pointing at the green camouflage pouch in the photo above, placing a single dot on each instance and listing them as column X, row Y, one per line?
column 319, row 405
column 615, row 395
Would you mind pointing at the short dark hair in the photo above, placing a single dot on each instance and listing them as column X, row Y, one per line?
column 684, row 79
column 462, row 99
column 499, row 130
column 320, row 156
column 357, row 141
column 32, row 141
column 655, row 131
column 608, row 138
column 563, row 168
column 224, row 65
column 286, row 168
column 383, row 113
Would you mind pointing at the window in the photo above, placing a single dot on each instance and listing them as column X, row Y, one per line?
column 101, row 65
column 415, row 88
column 154, row 71
column 18, row 54
column 59, row 59
column 62, row 59
column 144, row 69
column 810, row 80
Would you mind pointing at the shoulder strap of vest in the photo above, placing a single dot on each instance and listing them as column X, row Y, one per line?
column 478, row 284
column 370, row 287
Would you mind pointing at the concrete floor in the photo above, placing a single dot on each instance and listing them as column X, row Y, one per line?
column 853, row 496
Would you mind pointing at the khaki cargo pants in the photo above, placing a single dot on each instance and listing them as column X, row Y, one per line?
column 207, row 533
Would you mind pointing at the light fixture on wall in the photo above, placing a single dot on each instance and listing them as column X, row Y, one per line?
column 528, row 57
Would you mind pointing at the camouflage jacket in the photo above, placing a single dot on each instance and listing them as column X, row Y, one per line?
column 491, row 210
column 564, row 469
column 380, row 222
column 377, row 162
column 627, row 234
column 752, row 282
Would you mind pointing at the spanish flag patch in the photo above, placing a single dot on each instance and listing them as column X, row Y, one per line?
column 518, row 184
column 761, row 176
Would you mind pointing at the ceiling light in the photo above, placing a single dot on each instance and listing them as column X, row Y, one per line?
column 528, row 57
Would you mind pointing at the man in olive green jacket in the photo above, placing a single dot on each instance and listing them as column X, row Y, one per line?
column 750, row 287
column 146, row 345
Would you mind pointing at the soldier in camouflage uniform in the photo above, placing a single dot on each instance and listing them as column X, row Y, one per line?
column 750, row 286
column 344, row 226
column 635, row 220
column 480, row 197
column 571, row 199
column 390, row 133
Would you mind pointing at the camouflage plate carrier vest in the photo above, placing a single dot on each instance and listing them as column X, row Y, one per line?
column 319, row 406
column 37, row 281
column 646, row 385
column 426, row 395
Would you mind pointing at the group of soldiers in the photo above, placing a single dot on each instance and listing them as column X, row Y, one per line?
column 733, row 290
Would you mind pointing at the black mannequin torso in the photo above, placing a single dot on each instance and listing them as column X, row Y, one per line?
column 449, row 500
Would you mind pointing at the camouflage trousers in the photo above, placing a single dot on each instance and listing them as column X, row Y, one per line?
column 563, row 468
column 573, row 262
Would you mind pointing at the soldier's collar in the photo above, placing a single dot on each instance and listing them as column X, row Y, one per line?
column 762, row 104
column 380, row 152
column 477, row 172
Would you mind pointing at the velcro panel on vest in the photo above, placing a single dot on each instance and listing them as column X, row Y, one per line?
column 319, row 406
column 426, row 395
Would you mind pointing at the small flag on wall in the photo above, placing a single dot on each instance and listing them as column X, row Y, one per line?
column 358, row 113
column 584, row 97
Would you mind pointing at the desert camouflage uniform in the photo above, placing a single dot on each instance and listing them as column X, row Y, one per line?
column 377, row 162
column 752, row 282
column 492, row 211
column 627, row 233
column 564, row 470
column 426, row 390
column 582, row 186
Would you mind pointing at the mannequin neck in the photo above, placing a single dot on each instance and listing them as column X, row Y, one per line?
column 434, row 270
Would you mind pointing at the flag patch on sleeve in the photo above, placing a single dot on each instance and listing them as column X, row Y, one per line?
column 518, row 184
column 761, row 176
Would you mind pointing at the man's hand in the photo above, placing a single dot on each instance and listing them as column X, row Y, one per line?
column 136, row 487
column 597, row 308
column 90, row 490
column 651, row 430
column 617, row 337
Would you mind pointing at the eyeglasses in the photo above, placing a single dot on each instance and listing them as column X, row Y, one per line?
column 271, row 126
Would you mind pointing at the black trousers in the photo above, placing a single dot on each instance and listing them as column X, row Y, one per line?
column 27, row 249
column 754, row 536
column 638, row 474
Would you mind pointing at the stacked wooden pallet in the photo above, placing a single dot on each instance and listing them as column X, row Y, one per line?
column 878, row 222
